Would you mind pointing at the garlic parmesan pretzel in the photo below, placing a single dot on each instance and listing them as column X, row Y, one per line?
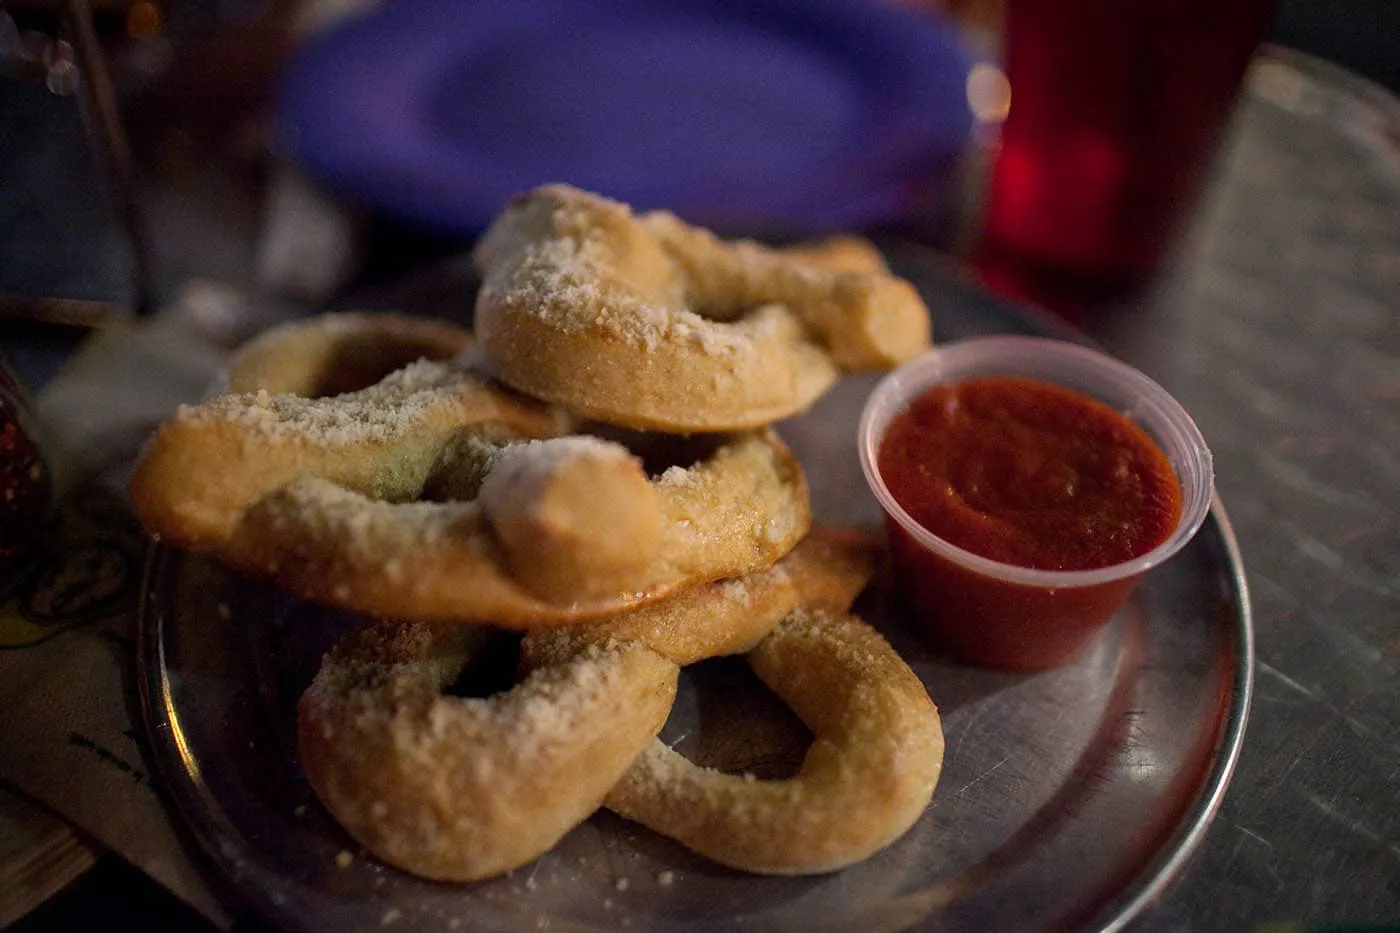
column 461, row 788
column 465, row 788
column 868, row 775
column 879, row 745
column 322, row 494
column 827, row 570
column 737, row 510
column 331, row 354
column 649, row 323
column 208, row 464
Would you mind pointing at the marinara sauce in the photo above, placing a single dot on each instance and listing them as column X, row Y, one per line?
column 1031, row 474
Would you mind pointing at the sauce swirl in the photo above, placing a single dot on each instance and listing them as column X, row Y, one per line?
column 1030, row 473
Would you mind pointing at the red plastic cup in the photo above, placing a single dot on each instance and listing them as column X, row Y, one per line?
column 1116, row 109
column 999, row 615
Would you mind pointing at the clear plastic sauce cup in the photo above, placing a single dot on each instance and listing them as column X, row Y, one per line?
column 999, row 615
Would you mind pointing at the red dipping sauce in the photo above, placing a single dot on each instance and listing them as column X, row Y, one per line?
column 1029, row 473
column 1026, row 473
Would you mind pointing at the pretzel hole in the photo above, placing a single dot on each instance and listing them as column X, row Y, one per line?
column 489, row 669
column 358, row 361
column 457, row 474
column 659, row 452
column 727, row 719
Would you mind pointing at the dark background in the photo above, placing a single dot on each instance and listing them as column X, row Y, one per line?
column 1363, row 35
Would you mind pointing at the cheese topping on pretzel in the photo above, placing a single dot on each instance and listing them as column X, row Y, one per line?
column 464, row 788
column 869, row 773
column 331, row 354
column 461, row 788
column 325, row 495
column 394, row 466
column 649, row 323
column 208, row 464
column 739, row 509
column 827, row 570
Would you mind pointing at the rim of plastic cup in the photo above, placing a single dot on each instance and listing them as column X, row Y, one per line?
column 1110, row 381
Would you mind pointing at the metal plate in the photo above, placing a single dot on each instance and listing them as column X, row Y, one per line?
column 1067, row 798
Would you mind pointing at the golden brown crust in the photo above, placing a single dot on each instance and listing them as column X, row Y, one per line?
column 322, row 495
column 456, row 788
column 461, row 789
column 739, row 510
column 209, row 463
column 649, row 323
column 840, row 254
column 331, row 354
column 861, row 316
column 581, row 524
column 827, row 570
column 869, row 774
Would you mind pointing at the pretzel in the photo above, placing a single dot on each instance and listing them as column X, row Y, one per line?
column 461, row 788
column 649, row 323
column 738, row 509
column 208, row 464
column 321, row 495
column 331, row 354
column 869, row 774
column 827, row 569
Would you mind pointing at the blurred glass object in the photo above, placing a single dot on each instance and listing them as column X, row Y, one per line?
column 33, row 53
column 1115, row 111
column 144, row 20
column 988, row 93
column 26, row 486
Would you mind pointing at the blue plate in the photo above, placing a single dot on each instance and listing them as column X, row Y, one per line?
column 773, row 116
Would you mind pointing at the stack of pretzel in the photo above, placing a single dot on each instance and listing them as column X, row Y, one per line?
column 596, row 468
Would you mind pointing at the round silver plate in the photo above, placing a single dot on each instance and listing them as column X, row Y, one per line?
column 1068, row 799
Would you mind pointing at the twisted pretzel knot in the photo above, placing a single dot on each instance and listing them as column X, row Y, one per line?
column 324, row 495
column 463, row 788
column 647, row 322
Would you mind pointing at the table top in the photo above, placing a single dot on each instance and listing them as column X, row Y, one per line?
column 1278, row 327
column 1280, row 332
